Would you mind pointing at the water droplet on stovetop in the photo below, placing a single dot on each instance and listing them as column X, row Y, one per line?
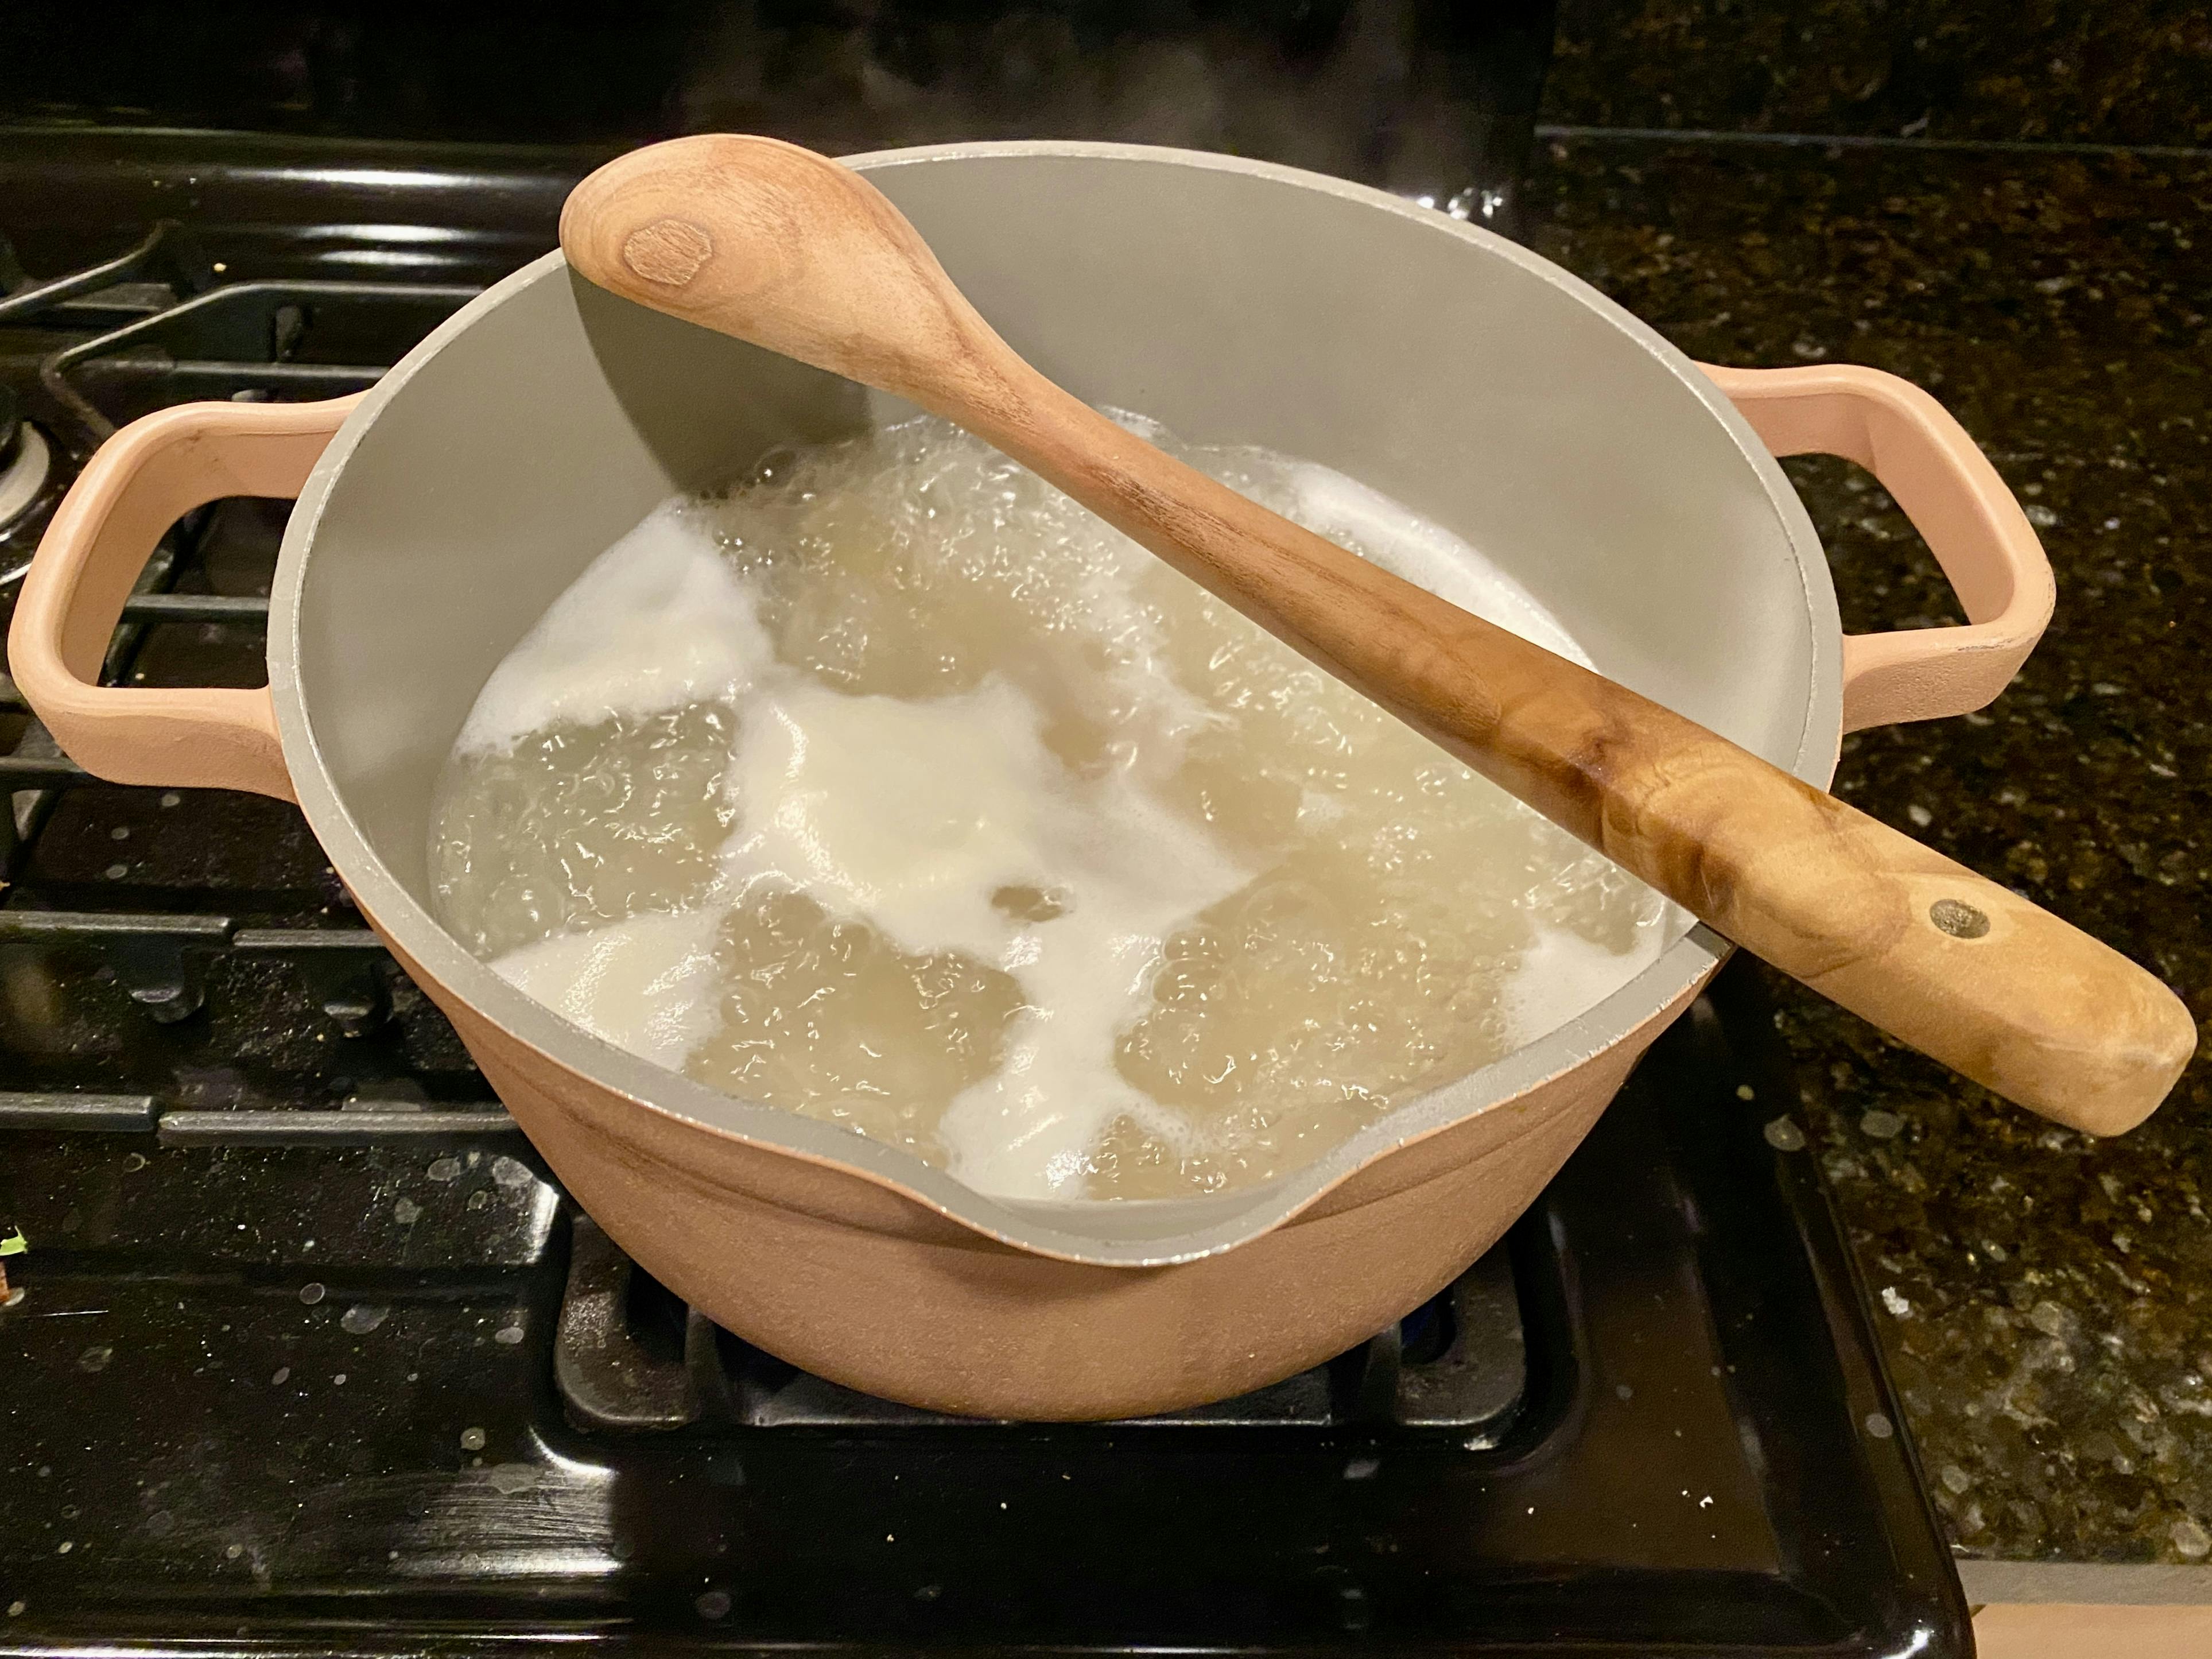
column 472, row 1439
column 95, row 1357
column 311, row 1292
column 444, row 1168
column 362, row 1317
column 1785, row 1136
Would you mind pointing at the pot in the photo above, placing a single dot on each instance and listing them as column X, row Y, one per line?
column 1634, row 492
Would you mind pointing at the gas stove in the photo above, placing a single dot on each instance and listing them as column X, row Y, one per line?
column 305, row 1350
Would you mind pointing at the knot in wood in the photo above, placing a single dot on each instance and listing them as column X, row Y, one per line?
column 668, row 252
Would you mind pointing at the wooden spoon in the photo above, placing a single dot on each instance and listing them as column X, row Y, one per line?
column 787, row 249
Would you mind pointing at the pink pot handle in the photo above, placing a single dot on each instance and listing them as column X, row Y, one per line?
column 140, row 483
column 1955, row 498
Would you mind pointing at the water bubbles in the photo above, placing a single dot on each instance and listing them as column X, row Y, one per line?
column 1386, row 921
column 472, row 1439
column 362, row 1317
column 312, row 1292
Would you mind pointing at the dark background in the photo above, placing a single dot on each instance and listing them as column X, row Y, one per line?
column 2118, row 72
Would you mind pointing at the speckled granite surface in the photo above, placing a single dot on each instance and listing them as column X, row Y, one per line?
column 2046, row 1301
column 2124, row 71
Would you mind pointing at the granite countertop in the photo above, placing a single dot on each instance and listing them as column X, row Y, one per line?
column 2126, row 71
column 2044, row 1300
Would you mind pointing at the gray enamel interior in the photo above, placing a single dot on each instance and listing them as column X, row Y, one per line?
column 1236, row 301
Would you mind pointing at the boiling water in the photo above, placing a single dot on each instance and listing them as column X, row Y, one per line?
column 895, row 789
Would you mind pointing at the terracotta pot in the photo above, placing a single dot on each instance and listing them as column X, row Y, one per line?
column 440, row 513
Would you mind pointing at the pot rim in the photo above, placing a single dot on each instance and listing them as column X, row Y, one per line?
column 1120, row 1233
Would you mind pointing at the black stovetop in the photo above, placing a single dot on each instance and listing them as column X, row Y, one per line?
column 307, row 1352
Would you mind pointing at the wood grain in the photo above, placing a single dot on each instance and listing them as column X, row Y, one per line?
column 804, row 258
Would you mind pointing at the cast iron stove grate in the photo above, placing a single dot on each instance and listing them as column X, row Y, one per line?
column 308, row 1351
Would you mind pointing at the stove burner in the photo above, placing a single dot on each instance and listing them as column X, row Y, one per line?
column 629, row 1356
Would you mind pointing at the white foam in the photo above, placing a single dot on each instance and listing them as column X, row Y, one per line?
column 1426, row 554
column 1564, row 975
column 648, row 984
column 913, row 815
column 656, row 621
